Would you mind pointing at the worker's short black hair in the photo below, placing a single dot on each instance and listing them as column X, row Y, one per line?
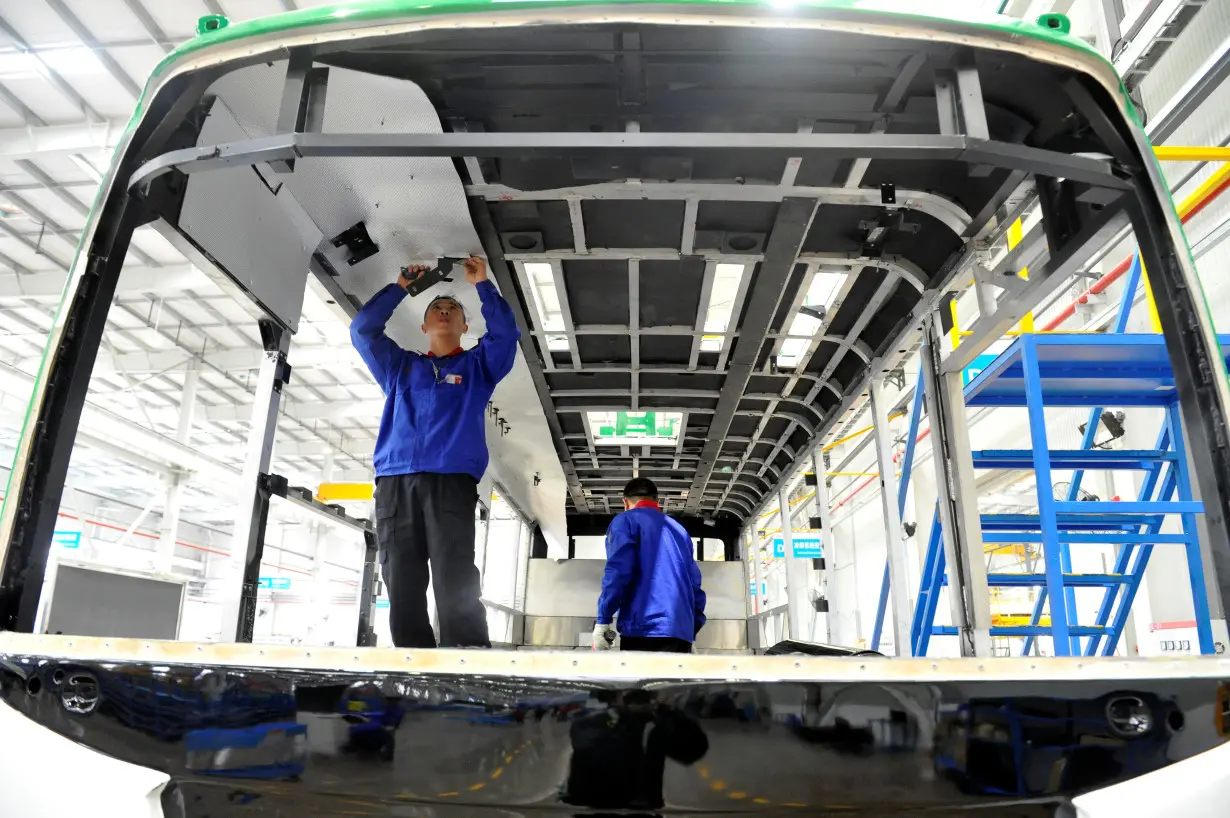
column 641, row 488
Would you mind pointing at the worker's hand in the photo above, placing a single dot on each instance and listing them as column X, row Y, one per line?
column 415, row 273
column 604, row 637
column 476, row 270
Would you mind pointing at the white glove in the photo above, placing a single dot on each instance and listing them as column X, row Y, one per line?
column 604, row 637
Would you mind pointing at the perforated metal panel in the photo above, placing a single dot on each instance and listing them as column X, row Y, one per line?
column 239, row 221
column 414, row 209
column 409, row 227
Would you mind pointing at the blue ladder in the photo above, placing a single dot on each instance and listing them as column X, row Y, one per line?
column 1135, row 526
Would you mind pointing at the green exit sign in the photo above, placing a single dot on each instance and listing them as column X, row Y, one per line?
column 640, row 425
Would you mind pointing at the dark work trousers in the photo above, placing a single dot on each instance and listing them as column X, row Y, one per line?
column 427, row 520
column 656, row 644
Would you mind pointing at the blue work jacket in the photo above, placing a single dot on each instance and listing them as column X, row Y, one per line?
column 651, row 580
column 434, row 418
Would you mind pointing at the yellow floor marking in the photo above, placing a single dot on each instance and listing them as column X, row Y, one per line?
column 718, row 785
column 738, row 796
column 704, row 772
column 477, row 787
column 508, row 759
column 448, row 795
column 499, row 771
column 761, row 801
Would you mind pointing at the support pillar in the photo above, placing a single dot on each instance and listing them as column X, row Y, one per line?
column 969, row 598
column 368, row 590
column 797, row 604
column 749, row 599
column 168, row 529
column 252, row 510
column 894, row 538
column 757, row 570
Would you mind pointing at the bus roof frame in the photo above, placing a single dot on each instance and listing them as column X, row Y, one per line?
column 43, row 453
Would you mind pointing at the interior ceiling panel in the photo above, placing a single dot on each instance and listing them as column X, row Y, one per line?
column 604, row 349
column 665, row 350
column 670, row 292
column 597, row 291
column 736, row 216
column 633, row 223
column 881, row 324
column 718, row 349
column 547, row 218
column 563, row 379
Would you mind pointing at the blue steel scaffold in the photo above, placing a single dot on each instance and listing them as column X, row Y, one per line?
column 1037, row 371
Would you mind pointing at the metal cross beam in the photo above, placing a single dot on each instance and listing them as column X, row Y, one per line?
column 289, row 146
column 938, row 207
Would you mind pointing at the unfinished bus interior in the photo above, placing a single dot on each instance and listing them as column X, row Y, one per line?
column 731, row 236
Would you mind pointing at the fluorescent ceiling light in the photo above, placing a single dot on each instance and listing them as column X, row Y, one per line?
column 824, row 288
column 546, row 298
column 820, row 294
column 720, row 309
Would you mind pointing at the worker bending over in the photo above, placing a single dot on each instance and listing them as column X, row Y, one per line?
column 431, row 452
column 651, row 581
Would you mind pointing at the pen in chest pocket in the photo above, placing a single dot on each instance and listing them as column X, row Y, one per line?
column 446, row 377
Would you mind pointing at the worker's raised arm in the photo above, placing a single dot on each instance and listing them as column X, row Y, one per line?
column 620, row 568
column 378, row 351
column 698, row 598
column 497, row 349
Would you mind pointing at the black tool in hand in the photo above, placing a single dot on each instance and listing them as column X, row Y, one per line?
column 426, row 280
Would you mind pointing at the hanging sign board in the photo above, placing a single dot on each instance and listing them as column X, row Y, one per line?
column 975, row 368
column 274, row 583
column 66, row 539
column 805, row 546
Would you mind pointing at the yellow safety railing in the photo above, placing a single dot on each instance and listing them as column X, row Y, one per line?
column 1191, row 153
column 1015, row 234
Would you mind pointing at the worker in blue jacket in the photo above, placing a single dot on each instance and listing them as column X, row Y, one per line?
column 651, row 582
column 431, row 452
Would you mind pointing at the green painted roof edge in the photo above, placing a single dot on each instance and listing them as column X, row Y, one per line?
column 377, row 11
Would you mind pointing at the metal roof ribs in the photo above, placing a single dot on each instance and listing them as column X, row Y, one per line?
column 781, row 254
column 490, row 239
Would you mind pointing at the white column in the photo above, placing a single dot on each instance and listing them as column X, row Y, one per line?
column 748, row 599
column 894, row 539
column 797, row 603
column 168, row 529
column 758, row 578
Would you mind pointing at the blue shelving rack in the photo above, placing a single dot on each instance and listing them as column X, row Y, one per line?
column 1038, row 371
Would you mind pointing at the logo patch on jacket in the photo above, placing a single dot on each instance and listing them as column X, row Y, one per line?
column 452, row 378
